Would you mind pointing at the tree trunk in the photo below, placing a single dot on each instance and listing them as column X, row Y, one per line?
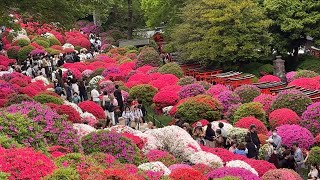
column 130, row 19
column 96, row 18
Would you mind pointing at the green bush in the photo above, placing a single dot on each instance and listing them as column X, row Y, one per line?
column 54, row 41
column 143, row 92
column 24, row 52
column 43, row 43
column 52, row 51
column 22, row 130
column 309, row 62
column 305, row 74
column 171, row 68
column 17, row 99
column 39, row 38
column 77, row 48
column 247, row 93
column 4, row 176
column 12, row 52
column 254, row 109
column 72, row 159
column 252, row 68
column 7, row 142
column 169, row 48
column 22, row 42
column 266, row 69
column 314, row 155
column 148, row 56
column 64, row 174
column 200, row 107
column 186, row 80
column 131, row 48
column 46, row 98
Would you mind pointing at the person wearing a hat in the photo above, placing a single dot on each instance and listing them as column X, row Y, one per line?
column 198, row 133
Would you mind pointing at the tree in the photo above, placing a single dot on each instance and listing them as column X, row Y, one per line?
column 220, row 31
column 293, row 21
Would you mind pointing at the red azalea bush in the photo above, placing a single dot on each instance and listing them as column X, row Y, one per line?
column 22, row 82
column 119, row 174
column 224, row 154
column 5, row 61
column 283, row 116
column 168, row 79
column 135, row 139
column 204, row 169
column 143, row 78
column 246, row 122
column 265, row 100
column 165, row 98
column 186, row 174
column 172, row 88
column 133, row 83
column 318, row 140
column 281, row 174
column 25, row 163
column 71, row 113
column 93, row 108
column 144, row 69
column 269, row 78
column 30, row 91
column 307, row 83
column 260, row 166
column 215, row 90
column 163, row 156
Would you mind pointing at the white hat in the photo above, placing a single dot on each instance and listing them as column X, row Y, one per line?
column 199, row 124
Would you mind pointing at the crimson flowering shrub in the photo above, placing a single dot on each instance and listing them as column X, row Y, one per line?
column 120, row 174
column 254, row 109
column 204, row 169
column 25, row 163
column 227, row 99
column 311, row 118
column 295, row 133
column 246, row 122
column 30, row 91
column 215, row 90
column 144, row 69
column 291, row 99
column 260, row 166
column 5, row 61
column 281, row 174
column 200, row 107
column 224, row 154
column 113, row 143
column 142, row 78
column 242, row 173
column 317, row 139
column 22, row 82
column 135, row 139
column 173, row 88
column 56, row 130
column 165, row 98
column 93, row 108
column 163, row 156
column 269, row 78
column 247, row 92
column 186, row 174
column 191, row 90
column 306, row 83
column 6, row 89
column 283, row 116
column 71, row 113
column 186, row 80
column 265, row 100
column 75, row 72
column 154, row 76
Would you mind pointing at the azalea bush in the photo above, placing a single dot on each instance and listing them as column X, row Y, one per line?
column 260, row 166
column 63, row 173
column 314, row 155
column 191, row 90
column 269, row 78
column 187, row 174
column 143, row 92
column 290, row 76
column 291, row 99
column 305, row 74
column 283, row 116
column 215, row 90
column 45, row 98
column 311, row 118
column 165, row 98
column 148, row 56
column 238, row 133
column 17, row 99
column 265, row 100
column 107, row 86
column 205, row 84
column 227, row 99
column 24, row 52
column 306, row 83
column 164, row 80
column 236, row 172
column 186, row 80
column 171, row 68
column 247, row 92
column 253, row 109
column 13, row 52
column 9, row 142
column 200, row 107
column 281, row 174
column 246, row 122
column 93, row 108
column 165, row 157
column 71, row 113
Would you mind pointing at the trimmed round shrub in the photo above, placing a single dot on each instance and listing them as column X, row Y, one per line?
column 283, row 116
column 186, row 174
column 191, row 90
column 9, row 142
column 148, row 56
column 143, row 92
column 295, row 133
column 269, row 78
column 54, row 41
column 163, row 156
column 70, row 112
column 291, row 99
column 314, row 155
column 24, row 52
column 111, row 143
column 165, row 98
column 311, row 118
column 266, row 69
column 52, row 51
column 281, row 174
column 227, row 99
column 93, row 108
column 200, row 107
column 205, row 84
column 12, row 52
column 25, row 163
column 229, row 115
column 23, row 130
column 215, row 90
column 17, row 99
column 43, row 43
column 246, row 122
column 305, row 74
column 265, row 100
column 46, row 98
column 290, row 76
column 247, row 92
column 186, row 80
column 242, row 173
column 64, row 173
column 22, row 42
column 306, row 83
column 253, row 109
column 171, row 68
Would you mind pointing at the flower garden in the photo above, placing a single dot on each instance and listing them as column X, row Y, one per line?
column 45, row 137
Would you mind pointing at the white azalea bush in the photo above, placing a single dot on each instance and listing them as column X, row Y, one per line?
column 95, row 80
column 241, row 164
column 155, row 167
column 41, row 78
column 83, row 129
column 206, row 158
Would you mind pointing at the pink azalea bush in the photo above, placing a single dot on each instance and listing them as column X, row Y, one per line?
column 265, row 100
column 241, row 173
column 191, row 90
column 215, row 90
column 227, row 99
column 269, row 78
column 307, row 83
column 311, row 118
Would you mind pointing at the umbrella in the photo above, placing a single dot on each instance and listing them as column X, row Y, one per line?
column 202, row 123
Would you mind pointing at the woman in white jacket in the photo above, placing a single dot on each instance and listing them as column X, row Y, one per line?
column 128, row 116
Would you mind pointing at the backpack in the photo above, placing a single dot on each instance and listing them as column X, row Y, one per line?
column 109, row 106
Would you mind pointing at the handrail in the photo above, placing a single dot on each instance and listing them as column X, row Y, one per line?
column 155, row 121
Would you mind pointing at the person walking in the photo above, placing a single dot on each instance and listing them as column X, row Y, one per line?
column 83, row 91
column 254, row 136
column 95, row 95
column 298, row 158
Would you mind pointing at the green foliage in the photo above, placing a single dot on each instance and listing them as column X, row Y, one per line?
column 22, row 42
column 46, row 98
column 77, row 48
column 169, row 48
column 254, row 109
column 24, row 52
column 7, row 142
column 4, row 176
column 305, row 74
column 252, row 68
column 171, row 68
column 247, row 93
column 266, row 68
column 43, row 43
column 52, row 51
column 54, row 41
column 25, row 130
column 314, row 155
column 148, row 56
column 186, row 80
column 64, row 174
column 311, row 63
column 200, row 107
column 238, row 133
column 131, row 48
column 72, row 159
column 143, row 92
column 215, row 31
column 228, row 178
column 12, row 52
column 17, row 99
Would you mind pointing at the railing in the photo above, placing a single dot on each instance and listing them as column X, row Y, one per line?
column 155, row 121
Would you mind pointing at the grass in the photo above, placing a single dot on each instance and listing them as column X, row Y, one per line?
column 159, row 120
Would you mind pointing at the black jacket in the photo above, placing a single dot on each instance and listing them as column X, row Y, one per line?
column 254, row 138
column 252, row 150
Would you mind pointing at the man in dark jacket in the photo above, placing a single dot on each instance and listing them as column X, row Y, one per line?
column 254, row 136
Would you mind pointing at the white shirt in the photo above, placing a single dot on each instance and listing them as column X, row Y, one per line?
column 75, row 88
column 137, row 113
column 95, row 95
column 127, row 115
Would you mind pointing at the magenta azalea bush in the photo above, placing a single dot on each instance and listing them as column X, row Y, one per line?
column 191, row 90
column 265, row 100
column 311, row 118
column 241, row 173
column 215, row 90
column 290, row 76
column 247, row 92
column 227, row 99
column 295, row 133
